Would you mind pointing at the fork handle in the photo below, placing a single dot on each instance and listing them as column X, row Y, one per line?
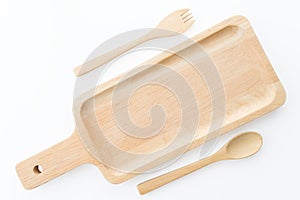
column 106, row 57
column 161, row 180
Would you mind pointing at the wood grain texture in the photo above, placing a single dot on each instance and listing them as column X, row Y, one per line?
column 251, row 86
column 250, row 83
column 54, row 162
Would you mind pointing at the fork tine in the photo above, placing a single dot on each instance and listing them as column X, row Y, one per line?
column 189, row 23
column 184, row 11
column 189, row 18
column 186, row 15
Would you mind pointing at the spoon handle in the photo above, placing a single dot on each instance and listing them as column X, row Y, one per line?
column 161, row 180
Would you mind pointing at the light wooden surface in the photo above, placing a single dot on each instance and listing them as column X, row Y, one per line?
column 54, row 162
column 250, row 83
column 176, row 22
column 241, row 146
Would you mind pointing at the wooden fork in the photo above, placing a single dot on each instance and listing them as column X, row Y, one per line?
column 176, row 22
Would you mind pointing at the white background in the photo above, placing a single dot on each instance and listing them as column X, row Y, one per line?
column 41, row 42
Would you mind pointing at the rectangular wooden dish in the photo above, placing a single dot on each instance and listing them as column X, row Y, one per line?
column 251, row 89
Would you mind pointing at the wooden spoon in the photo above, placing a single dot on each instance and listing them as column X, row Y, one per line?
column 241, row 146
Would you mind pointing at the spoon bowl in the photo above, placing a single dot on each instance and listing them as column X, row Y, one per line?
column 243, row 145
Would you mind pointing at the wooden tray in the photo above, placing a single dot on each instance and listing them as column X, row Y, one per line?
column 251, row 90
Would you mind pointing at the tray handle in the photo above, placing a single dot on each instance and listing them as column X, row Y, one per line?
column 53, row 162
